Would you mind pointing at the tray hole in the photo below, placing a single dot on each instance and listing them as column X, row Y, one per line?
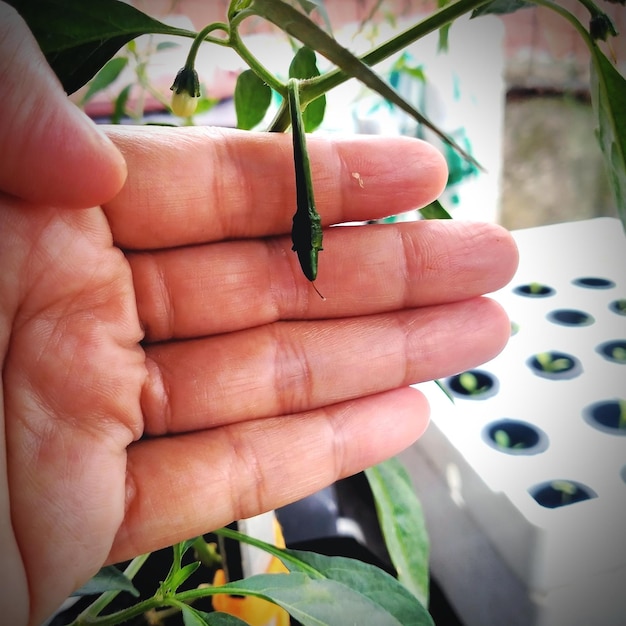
column 570, row 317
column 473, row 384
column 557, row 493
column 618, row 306
column 555, row 365
column 608, row 416
column 593, row 282
column 614, row 351
column 515, row 437
column 534, row 290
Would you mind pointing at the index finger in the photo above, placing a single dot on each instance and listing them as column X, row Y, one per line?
column 196, row 185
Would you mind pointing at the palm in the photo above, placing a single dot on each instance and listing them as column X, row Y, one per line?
column 73, row 376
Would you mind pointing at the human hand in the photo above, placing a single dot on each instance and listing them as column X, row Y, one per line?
column 166, row 366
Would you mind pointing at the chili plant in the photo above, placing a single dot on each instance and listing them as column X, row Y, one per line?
column 80, row 39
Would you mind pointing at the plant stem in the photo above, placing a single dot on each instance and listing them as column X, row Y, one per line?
column 119, row 617
column 202, row 36
column 238, row 46
column 314, row 87
column 207, row 553
column 433, row 22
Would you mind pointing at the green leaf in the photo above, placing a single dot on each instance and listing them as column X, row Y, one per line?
column 445, row 390
column 304, row 65
column 179, row 574
column 313, row 602
column 176, row 579
column 119, row 108
column 501, row 7
column 608, row 97
column 435, row 211
column 310, row 34
column 107, row 579
column 105, row 77
column 402, row 523
column 194, row 617
column 166, row 45
column 372, row 582
column 252, row 99
column 362, row 578
column 79, row 37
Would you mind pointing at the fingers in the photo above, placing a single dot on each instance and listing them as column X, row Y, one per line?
column 52, row 152
column 197, row 185
column 363, row 270
column 188, row 485
column 291, row 367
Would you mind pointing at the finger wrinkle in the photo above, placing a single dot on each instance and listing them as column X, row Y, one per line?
column 293, row 376
column 250, row 491
column 155, row 400
column 336, row 418
column 229, row 186
column 153, row 294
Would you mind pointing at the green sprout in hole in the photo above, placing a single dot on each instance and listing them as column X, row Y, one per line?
column 469, row 382
column 535, row 287
column 514, row 328
column 549, row 363
column 503, row 440
column 620, row 306
column 567, row 489
column 619, row 354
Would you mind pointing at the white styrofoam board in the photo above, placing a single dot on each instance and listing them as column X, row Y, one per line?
column 557, row 548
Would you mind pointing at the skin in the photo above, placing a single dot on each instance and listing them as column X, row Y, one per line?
column 162, row 354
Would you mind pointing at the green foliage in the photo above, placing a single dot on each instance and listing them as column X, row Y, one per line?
column 469, row 382
column 313, row 602
column 252, row 99
column 105, row 77
column 435, row 211
column 304, row 65
column 80, row 40
column 367, row 585
column 107, row 579
column 551, row 363
column 402, row 522
column 608, row 96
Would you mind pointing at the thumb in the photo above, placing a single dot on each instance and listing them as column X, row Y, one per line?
column 52, row 153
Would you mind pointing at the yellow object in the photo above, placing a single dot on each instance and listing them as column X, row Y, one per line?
column 254, row 611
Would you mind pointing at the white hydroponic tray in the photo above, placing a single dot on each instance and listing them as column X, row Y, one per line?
column 568, row 553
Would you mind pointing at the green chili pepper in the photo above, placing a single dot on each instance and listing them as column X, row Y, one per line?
column 306, row 232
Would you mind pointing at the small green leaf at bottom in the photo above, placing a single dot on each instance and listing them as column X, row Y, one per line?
column 368, row 580
column 107, row 579
column 314, row 602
